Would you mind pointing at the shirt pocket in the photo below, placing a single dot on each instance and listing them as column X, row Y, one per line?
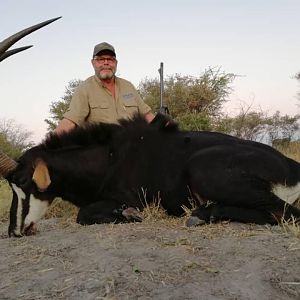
column 100, row 112
column 130, row 107
column 99, row 105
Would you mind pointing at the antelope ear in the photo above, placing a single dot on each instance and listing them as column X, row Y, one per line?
column 41, row 175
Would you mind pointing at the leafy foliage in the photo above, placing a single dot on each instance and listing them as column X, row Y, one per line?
column 58, row 108
column 203, row 95
column 247, row 124
column 259, row 126
column 195, row 121
column 14, row 139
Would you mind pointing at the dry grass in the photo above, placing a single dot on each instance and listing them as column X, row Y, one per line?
column 154, row 211
column 291, row 227
column 62, row 209
column 5, row 199
column 292, row 150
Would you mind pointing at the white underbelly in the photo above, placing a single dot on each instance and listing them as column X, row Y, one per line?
column 287, row 193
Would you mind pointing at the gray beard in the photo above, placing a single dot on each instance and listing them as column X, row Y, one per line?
column 106, row 75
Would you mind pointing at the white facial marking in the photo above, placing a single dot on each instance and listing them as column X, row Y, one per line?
column 287, row 193
column 37, row 209
column 21, row 196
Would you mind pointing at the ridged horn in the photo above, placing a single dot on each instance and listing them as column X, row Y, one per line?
column 7, row 43
column 7, row 164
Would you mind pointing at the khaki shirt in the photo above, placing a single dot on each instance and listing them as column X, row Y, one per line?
column 92, row 102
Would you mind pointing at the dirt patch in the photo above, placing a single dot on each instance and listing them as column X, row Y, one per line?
column 151, row 260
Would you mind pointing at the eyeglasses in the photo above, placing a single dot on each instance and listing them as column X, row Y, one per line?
column 101, row 60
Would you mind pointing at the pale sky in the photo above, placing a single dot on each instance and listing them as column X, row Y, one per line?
column 257, row 39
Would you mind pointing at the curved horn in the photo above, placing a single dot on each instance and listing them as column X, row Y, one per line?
column 7, row 43
column 7, row 164
column 12, row 52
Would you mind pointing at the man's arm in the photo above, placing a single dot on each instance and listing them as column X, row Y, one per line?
column 64, row 125
column 149, row 116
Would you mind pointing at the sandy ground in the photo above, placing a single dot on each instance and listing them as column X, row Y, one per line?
column 158, row 260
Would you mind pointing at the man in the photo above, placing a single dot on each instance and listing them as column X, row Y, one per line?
column 103, row 97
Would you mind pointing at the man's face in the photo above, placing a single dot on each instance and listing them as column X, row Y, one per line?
column 105, row 66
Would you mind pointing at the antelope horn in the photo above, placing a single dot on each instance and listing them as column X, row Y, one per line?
column 7, row 43
column 7, row 164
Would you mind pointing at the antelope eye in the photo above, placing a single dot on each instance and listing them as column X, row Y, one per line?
column 21, row 181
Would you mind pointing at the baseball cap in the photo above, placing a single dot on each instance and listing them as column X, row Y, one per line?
column 104, row 48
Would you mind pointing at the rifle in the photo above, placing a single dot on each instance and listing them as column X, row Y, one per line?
column 163, row 109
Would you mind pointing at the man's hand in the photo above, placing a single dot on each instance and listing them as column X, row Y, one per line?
column 64, row 125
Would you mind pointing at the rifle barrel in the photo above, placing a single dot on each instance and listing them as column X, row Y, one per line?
column 161, row 75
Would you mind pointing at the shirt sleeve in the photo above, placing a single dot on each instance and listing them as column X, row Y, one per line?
column 79, row 108
column 142, row 106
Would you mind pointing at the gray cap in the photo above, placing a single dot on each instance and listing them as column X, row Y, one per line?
column 106, row 48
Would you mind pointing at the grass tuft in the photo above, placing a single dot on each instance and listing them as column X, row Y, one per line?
column 291, row 226
column 62, row 209
column 154, row 212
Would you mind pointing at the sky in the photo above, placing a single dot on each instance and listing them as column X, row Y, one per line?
column 257, row 40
